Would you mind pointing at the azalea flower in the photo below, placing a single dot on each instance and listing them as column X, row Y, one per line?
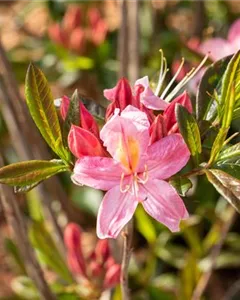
column 135, row 173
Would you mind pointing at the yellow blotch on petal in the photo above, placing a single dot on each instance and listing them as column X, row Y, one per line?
column 128, row 152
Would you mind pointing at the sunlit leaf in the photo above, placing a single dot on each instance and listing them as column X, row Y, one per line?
column 29, row 173
column 210, row 81
column 230, row 152
column 24, row 287
column 230, row 166
column 190, row 131
column 226, row 185
column 218, row 144
column 41, row 106
column 47, row 251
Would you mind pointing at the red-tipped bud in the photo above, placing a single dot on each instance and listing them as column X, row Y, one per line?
column 72, row 236
column 87, row 121
column 64, row 107
column 99, row 32
column 72, row 18
column 157, row 129
column 102, row 251
column 94, row 16
column 83, row 143
column 77, row 40
column 122, row 97
column 57, row 35
column 169, row 113
column 95, row 268
column 72, row 239
column 112, row 276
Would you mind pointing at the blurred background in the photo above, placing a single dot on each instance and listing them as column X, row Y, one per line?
column 81, row 45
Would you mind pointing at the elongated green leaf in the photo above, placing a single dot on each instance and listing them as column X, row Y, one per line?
column 226, row 185
column 218, row 144
column 41, row 106
column 230, row 152
column 211, row 81
column 28, row 173
column 182, row 185
column 230, row 166
column 230, row 81
column 24, row 287
column 190, row 131
column 12, row 249
column 47, row 251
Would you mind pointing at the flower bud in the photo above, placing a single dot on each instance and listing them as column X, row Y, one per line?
column 57, row 35
column 72, row 18
column 112, row 276
column 157, row 129
column 102, row 250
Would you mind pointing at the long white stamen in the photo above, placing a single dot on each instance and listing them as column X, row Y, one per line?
column 172, row 80
column 126, row 188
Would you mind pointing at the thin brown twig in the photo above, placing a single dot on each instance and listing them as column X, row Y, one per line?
column 15, row 220
column 204, row 279
column 123, row 55
column 127, row 250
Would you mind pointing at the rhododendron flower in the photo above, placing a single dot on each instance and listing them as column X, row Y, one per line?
column 99, row 267
column 166, row 123
column 136, row 173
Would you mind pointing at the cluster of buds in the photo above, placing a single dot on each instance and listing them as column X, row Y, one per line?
column 97, row 271
column 75, row 30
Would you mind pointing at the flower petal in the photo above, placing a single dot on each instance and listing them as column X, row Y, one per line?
column 152, row 101
column 167, row 156
column 82, row 142
column 127, row 137
column 217, row 46
column 64, row 107
column 144, row 81
column 163, row 203
column 98, row 172
column 87, row 120
column 115, row 211
column 234, row 31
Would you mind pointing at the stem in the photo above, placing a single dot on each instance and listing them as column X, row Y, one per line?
column 204, row 279
column 127, row 234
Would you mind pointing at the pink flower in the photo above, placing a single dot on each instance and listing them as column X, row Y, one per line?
column 219, row 47
column 135, row 174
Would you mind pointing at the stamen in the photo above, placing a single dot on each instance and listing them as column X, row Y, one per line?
column 162, row 73
column 173, row 79
column 126, row 188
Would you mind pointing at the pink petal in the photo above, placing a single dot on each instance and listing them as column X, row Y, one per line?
column 144, row 81
column 157, row 129
column 115, row 211
column 217, row 46
column 112, row 276
column 234, row 31
column 127, row 137
column 152, row 101
column 98, row 172
column 64, row 107
column 163, row 203
column 110, row 93
column 82, row 142
column 167, row 156
column 169, row 113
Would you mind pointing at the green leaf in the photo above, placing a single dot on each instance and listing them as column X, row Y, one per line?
column 41, row 106
column 230, row 166
column 190, row 131
column 230, row 82
column 24, row 287
column 230, row 152
column 181, row 184
column 210, row 81
column 30, row 173
column 47, row 251
column 12, row 249
column 226, row 185
column 145, row 226
column 218, row 144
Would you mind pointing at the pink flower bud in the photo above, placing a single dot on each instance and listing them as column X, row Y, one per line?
column 112, row 276
column 95, row 268
column 102, row 250
column 57, row 35
column 121, row 95
column 72, row 18
column 77, row 40
column 83, row 143
column 72, row 239
column 99, row 32
column 87, row 120
column 169, row 113
column 158, row 129
column 64, row 107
